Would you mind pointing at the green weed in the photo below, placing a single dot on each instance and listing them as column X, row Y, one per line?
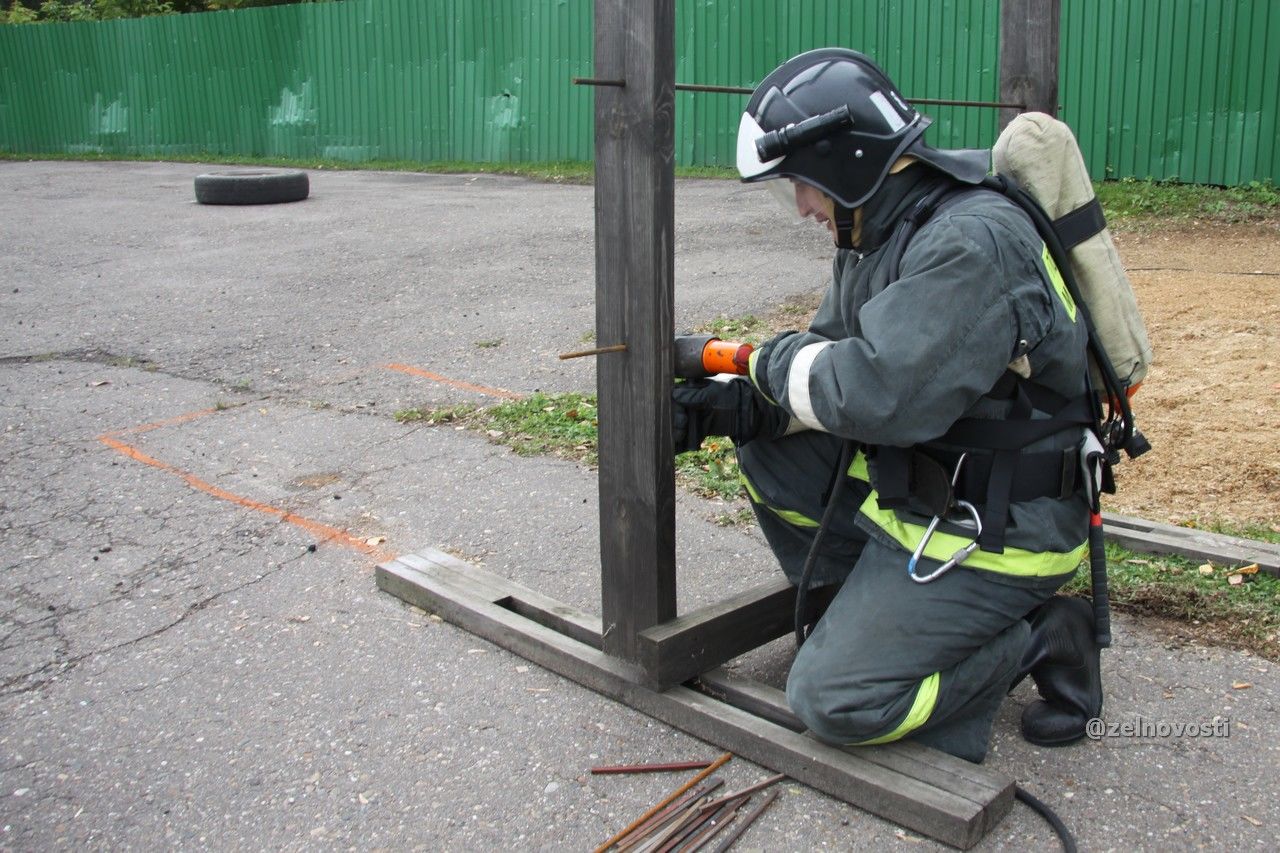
column 1243, row 615
column 1133, row 201
column 452, row 414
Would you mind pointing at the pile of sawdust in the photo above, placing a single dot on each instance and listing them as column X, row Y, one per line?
column 1211, row 404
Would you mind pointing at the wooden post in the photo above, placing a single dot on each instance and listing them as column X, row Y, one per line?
column 1029, row 56
column 635, row 274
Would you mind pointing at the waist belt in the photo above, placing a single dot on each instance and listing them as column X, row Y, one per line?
column 996, row 471
column 1046, row 474
column 919, row 478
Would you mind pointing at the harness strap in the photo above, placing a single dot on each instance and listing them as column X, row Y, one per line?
column 844, row 218
column 997, row 471
column 995, row 516
column 1075, row 227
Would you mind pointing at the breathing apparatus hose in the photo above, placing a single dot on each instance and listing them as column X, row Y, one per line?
column 1064, row 835
column 806, row 575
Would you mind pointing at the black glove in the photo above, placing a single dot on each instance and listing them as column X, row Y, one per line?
column 701, row 407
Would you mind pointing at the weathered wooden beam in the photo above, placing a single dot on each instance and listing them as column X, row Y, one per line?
column 533, row 605
column 1029, row 56
column 920, row 762
column 693, row 643
column 1153, row 537
column 918, row 788
column 635, row 294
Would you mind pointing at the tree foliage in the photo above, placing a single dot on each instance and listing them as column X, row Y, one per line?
column 35, row 11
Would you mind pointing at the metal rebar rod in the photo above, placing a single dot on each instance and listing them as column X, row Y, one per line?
column 637, row 836
column 747, row 820
column 727, row 90
column 640, row 768
column 596, row 81
column 663, row 840
column 721, row 819
column 583, row 354
column 751, row 789
column 713, row 767
column 943, row 103
column 695, row 827
column 744, row 90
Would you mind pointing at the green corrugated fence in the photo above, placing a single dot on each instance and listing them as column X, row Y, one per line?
column 1170, row 89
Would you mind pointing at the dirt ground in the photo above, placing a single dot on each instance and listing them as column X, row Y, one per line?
column 1211, row 403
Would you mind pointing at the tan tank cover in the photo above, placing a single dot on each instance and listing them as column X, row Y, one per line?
column 1041, row 154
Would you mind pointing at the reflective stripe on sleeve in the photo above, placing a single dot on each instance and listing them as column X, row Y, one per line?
column 751, row 374
column 798, row 384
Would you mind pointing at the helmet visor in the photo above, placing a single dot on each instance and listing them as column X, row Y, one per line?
column 749, row 164
column 784, row 192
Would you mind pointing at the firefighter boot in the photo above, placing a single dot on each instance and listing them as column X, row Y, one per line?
column 1062, row 659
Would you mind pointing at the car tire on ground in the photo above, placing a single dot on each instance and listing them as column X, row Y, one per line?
column 252, row 187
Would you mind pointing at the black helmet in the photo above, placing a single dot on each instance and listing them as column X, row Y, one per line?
column 832, row 119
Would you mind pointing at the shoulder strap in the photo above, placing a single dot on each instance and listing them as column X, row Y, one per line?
column 919, row 214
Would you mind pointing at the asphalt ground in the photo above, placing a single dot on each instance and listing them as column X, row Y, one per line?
column 200, row 467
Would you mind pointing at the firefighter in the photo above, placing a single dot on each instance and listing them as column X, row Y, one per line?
column 948, row 366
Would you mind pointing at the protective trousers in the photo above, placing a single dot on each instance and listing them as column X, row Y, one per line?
column 890, row 658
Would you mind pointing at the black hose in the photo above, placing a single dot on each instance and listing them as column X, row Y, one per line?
column 1068, row 840
column 837, row 488
column 1098, row 578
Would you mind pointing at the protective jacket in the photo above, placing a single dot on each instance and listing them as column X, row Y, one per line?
column 977, row 309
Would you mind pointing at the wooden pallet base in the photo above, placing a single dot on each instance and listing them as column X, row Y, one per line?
column 921, row 789
column 1153, row 537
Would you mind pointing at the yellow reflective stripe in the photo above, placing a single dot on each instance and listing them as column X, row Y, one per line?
column 942, row 546
column 1055, row 276
column 751, row 374
column 789, row 516
column 921, row 708
column 858, row 467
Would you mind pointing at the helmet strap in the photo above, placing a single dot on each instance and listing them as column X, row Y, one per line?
column 845, row 219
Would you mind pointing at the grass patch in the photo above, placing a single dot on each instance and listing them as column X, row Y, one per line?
column 1133, row 201
column 560, row 424
column 795, row 313
column 1205, row 605
column 748, row 330
column 1256, row 532
column 566, row 425
column 711, row 472
column 431, row 417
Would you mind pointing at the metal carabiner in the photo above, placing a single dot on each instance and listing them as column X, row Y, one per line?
column 959, row 556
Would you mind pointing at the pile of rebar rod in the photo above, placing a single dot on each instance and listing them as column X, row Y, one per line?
column 690, row 817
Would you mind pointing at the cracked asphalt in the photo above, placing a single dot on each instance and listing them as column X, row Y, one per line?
column 200, row 467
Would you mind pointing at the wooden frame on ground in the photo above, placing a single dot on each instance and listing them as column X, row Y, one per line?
column 640, row 653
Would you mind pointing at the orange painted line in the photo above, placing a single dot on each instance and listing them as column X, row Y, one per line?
column 466, row 386
column 180, row 419
column 323, row 532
